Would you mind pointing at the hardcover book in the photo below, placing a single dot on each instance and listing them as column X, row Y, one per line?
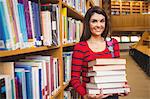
column 108, row 91
column 106, row 73
column 105, row 85
column 106, row 61
column 108, row 79
column 107, row 67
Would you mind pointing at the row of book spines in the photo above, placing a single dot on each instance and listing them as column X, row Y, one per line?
column 16, row 24
column 50, row 12
column 24, row 31
column 71, row 28
column 48, row 85
column 50, row 24
column 78, row 5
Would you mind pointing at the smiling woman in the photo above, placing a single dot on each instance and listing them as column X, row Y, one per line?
column 92, row 45
column 97, row 24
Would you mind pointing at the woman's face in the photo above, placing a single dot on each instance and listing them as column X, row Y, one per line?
column 97, row 24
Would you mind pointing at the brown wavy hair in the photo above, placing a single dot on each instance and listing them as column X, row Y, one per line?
column 86, row 26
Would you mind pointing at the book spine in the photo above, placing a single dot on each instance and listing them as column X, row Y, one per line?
column 5, row 39
column 32, row 21
column 22, row 25
column 28, row 21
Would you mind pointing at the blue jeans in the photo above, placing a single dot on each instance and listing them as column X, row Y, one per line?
column 112, row 97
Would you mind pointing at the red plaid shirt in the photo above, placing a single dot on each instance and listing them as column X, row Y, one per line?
column 81, row 56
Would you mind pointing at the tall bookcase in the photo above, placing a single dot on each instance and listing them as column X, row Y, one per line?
column 56, row 51
column 129, row 7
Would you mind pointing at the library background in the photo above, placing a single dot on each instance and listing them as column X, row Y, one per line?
column 37, row 39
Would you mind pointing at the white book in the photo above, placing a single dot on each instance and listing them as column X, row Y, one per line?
column 46, row 27
column 35, row 83
column 107, row 61
column 105, row 85
column 56, row 75
column 67, row 57
column 107, row 67
column 108, row 91
column 107, row 79
column 117, row 90
column 106, row 73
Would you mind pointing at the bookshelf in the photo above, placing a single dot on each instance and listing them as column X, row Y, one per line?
column 75, row 14
column 127, row 38
column 115, row 7
column 129, row 7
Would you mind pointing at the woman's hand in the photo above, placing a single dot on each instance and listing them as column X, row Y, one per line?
column 125, row 93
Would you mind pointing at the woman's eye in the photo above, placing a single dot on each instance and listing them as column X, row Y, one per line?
column 93, row 21
column 102, row 20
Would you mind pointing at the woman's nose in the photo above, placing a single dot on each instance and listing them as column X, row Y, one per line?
column 99, row 24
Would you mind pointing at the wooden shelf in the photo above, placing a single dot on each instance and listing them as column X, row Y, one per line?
column 26, row 50
column 65, row 85
column 69, row 44
column 72, row 12
column 57, row 93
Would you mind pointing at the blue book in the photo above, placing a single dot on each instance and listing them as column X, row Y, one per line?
column 35, row 66
column 25, row 34
column 4, row 33
column 19, row 84
column 2, row 42
column 22, row 23
column 36, row 23
column 28, row 79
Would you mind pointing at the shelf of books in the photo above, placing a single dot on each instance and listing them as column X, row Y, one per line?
column 129, row 7
column 33, row 37
column 145, row 7
column 115, row 7
column 6, row 53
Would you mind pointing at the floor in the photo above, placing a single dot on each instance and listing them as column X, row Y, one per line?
column 137, row 79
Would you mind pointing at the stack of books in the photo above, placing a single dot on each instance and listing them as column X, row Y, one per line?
column 107, row 76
